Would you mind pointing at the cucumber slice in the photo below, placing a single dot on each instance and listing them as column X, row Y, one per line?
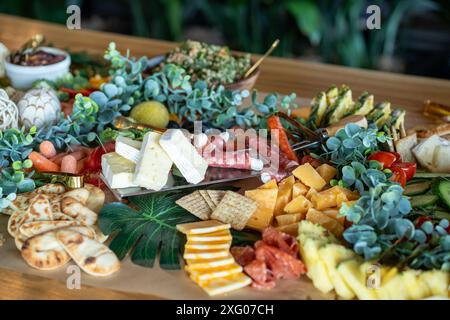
column 424, row 200
column 441, row 214
column 417, row 188
column 428, row 175
column 443, row 191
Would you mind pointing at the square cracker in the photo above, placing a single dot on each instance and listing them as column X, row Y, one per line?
column 208, row 199
column 195, row 204
column 216, row 196
column 234, row 209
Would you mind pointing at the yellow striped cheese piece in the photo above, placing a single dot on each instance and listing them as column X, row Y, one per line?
column 200, row 276
column 213, row 245
column 226, row 284
column 205, row 254
column 201, row 227
column 202, row 264
column 222, row 235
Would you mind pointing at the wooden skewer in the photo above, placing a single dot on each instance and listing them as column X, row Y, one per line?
column 257, row 63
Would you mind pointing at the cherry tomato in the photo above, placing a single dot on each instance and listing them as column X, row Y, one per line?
column 421, row 220
column 408, row 167
column 94, row 161
column 312, row 161
column 384, row 157
column 398, row 157
column 398, row 175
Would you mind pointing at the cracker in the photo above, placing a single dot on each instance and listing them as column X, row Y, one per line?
column 216, row 196
column 234, row 209
column 208, row 199
column 195, row 204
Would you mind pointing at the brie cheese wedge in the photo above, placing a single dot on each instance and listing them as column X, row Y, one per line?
column 117, row 170
column 180, row 150
column 128, row 148
column 153, row 166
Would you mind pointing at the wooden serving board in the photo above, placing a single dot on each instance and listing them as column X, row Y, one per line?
column 277, row 74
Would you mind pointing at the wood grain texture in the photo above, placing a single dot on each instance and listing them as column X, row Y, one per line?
column 16, row 285
column 281, row 75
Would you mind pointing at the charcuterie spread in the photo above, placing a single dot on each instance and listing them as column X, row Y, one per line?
column 343, row 195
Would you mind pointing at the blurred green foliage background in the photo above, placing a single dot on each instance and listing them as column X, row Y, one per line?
column 414, row 35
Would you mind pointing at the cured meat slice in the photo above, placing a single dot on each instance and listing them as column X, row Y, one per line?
column 283, row 241
column 262, row 276
column 282, row 264
column 243, row 255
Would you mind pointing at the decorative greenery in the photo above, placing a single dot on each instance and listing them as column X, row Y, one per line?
column 381, row 218
column 173, row 87
column 353, row 143
column 144, row 232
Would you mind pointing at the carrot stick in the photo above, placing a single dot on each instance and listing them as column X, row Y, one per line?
column 41, row 163
column 274, row 123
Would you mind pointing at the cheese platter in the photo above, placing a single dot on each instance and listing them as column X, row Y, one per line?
column 336, row 192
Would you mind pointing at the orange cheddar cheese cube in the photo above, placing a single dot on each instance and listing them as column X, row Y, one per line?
column 309, row 176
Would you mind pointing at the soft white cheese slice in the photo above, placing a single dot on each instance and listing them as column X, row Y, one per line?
column 128, row 148
column 117, row 170
column 424, row 151
column 190, row 163
column 441, row 158
column 153, row 166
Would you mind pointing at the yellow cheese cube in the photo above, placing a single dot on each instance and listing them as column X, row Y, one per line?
column 310, row 193
column 285, row 219
column 299, row 189
column 298, row 205
column 334, row 213
column 323, row 200
column 327, row 172
column 263, row 215
column 325, row 221
column 351, row 195
column 309, row 176
column 291, row 229
column 272, row 184
column 284, row 194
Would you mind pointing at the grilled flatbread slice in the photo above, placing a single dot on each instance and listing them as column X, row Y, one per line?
column 93, row 257
column 44, row 252
column 80, row 194
column 51, row 188
column 32, row 228
column 78, row 211
column 96, row 198
column 14, row 223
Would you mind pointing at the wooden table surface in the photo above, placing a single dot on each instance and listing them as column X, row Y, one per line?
column 277, row 74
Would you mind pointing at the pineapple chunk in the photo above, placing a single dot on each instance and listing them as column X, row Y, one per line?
column 331, row 255
column 298, row 205
column 317, row 272
column 393, row 286
column 350, row 271
column 311, row 238
column 417, row 289
column 437, row 281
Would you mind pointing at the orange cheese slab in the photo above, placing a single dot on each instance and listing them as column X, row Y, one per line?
column 201, row 227
column 284, row 194
column 263, row 215
column 309, row 176
column 202, row 264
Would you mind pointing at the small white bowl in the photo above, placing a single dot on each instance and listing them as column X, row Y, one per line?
column 22, row 77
